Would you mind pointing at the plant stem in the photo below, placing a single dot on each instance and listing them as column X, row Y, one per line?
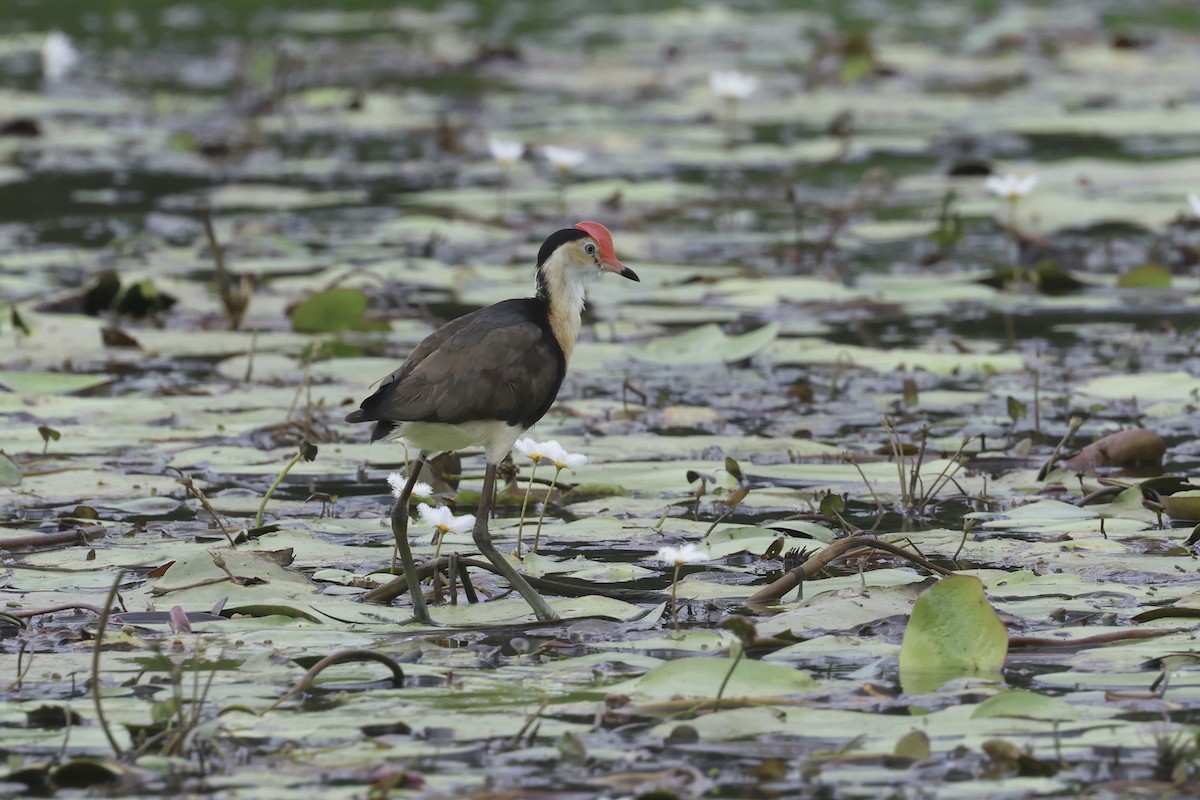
column 525, row 505
column 728, row 675
column 878, row 503
column 100, row 627
column 948, row 472
column 674, row 604
column 537, row 537
column 438, row 536
column 1037, row 403
column 1015, row 248
column 731, row 115
column 563, row 180
column 889, row 425
column 295, row 459
column 502, row 193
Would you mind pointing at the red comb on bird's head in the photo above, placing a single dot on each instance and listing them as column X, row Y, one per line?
column 601, row 236
column 608, row 256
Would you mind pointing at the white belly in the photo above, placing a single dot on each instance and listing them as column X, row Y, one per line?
column 495, row 436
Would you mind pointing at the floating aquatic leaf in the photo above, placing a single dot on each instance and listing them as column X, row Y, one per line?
column 833, row 605
column 913, row 745
column 706, row 344
column 10, row 473
column 1030, row 705
column 30, row 383
column 332, row 311
column 1136, row 446
column 1146, row 276
column 1183, row 505
column 500, row 612
column 702, row 678
column 271, row 610
column 953, row 632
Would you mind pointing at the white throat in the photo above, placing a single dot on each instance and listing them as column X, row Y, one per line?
column 565, row 294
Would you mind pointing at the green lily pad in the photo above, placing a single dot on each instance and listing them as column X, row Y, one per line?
column 702, row 678
column 31, row 383
column 1146, row 276
column 331, row 311
column 1183, row 505
column 953, row 632
column 10, row 473
column 706, row 344
column 1028, row 705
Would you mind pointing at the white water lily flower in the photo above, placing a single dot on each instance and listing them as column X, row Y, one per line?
column 527, row 447
column 1194, row 202
column 554, row 451
column 539, row 451
column 732, row 85
column 565, row 460
column 396, row 481
column 684, row 554
column 59, row 56
column 564, row 158
column 444, row 520
column 505, row 152
column 687, row 553
column 1010, row 186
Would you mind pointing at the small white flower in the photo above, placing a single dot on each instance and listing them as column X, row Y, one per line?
column 396, row 481
column 732, row 85
column 684, row 554
column 444, row 520
column 565, row 460
column 527, row 447
column 551, row 451
column 59, row 56
column 505, row 152
column 564, row 158
column 1194, row 202
column 538, row 451
column 1010, row 186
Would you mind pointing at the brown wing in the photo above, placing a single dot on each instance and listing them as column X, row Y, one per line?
column 500, row 363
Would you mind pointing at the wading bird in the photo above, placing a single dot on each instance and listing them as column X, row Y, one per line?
column 485, row 378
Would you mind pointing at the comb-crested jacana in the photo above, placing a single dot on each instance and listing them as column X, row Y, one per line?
column 485, row 378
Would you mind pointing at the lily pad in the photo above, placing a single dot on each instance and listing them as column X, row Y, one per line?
column 703, row 678
column 10, row 473
column 952, row 632
column 333, row 311
column 1146, row 276
column 31, row 383
column 706, row 344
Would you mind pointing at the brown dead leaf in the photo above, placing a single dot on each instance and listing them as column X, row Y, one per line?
column 1134, row 447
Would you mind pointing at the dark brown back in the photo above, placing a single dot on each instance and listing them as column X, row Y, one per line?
column 498, row 363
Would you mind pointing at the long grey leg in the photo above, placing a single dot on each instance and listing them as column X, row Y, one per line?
column 400, row 531
column 483, row 540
